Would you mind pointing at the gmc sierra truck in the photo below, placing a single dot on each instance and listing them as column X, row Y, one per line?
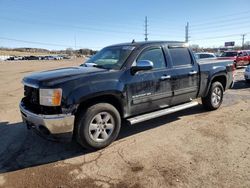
column 131, row 82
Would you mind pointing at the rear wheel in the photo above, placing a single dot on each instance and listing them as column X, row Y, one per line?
column 98, row 126
column 214, row 97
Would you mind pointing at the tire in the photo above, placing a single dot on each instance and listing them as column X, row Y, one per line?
column 98, row 126
column 214, row 97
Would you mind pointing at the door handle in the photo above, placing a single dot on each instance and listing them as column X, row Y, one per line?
column 192, row 73
column 165, row 77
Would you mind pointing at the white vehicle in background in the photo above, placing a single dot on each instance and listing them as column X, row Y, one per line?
column 204, row 55
column 4, row 57
column 247, row 74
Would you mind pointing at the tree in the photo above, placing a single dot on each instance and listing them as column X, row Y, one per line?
column 69, row 51
column 247, row 45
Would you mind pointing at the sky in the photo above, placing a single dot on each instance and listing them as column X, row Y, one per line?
column 61, row 24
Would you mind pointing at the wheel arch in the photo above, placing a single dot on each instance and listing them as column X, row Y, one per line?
column 222, row 78
column 111, row 98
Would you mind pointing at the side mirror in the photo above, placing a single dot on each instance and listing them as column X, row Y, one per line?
column 142, row 65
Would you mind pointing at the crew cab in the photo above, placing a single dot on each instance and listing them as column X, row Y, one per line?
column 240, row 58
column 131, row 82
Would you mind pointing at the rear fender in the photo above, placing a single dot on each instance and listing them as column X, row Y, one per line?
column 216, row 72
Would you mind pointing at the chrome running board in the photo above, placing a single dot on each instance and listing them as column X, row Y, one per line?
column 159, row 113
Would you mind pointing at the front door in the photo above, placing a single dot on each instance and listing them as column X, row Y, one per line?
column 150, row 90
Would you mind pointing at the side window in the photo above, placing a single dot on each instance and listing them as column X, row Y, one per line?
column 180, row 56
column 244, row 54
column 203, row 56
column 154, row 55
column 240, row 54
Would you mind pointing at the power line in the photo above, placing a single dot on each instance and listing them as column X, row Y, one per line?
column 41, row 43
column 89, row 19
column 216, row 37
column 210, row 20
column 73, row 26
column 216, row 31
column 117, row 32
column 227, row 21
column 218, row 18
column 242, row 23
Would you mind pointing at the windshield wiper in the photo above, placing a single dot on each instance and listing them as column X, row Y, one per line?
column 100, row 66
column 95, row 65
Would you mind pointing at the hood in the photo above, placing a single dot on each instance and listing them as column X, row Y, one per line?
column 57, row 76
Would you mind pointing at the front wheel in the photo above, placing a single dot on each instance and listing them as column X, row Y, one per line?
column 214, row 97
column 98, row 126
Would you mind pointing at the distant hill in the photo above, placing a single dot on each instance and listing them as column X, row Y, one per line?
column 40, row 51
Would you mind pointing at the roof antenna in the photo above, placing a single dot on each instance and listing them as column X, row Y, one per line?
column 133, row 41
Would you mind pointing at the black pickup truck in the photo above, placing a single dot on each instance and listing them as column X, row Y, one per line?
column 131, row 82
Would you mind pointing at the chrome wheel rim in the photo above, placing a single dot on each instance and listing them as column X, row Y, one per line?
column 101, row 127
column 216, row 96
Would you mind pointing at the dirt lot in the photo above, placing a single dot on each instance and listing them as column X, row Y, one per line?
column 191, row 148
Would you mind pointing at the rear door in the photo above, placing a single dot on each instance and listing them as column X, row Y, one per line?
column 186, row 75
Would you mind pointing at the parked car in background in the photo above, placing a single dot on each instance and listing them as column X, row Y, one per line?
column 204, row 55
column 247, row 74
column 240, row 58
column 248, row 52
column 58, row 57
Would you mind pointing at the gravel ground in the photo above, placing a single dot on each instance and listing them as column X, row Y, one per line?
column 191, row 148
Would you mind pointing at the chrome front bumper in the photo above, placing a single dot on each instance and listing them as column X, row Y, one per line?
column 51, row 124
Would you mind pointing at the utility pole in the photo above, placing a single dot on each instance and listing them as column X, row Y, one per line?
column 187, row 33
column 146, row 28
column 75, row 41
column 243, row 41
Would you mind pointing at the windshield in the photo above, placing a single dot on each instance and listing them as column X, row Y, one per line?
column 229, row 54
column 110, row 57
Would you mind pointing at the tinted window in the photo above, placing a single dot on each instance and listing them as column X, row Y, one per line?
column 244, row 54
column 204, row 56
column 229, row 54
column 240, row 54
column 180, row 56
column 154, row 55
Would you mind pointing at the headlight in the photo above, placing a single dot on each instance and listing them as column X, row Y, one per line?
column 50, row 97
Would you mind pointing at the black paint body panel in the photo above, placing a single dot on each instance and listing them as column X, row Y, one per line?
column 137, row 93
